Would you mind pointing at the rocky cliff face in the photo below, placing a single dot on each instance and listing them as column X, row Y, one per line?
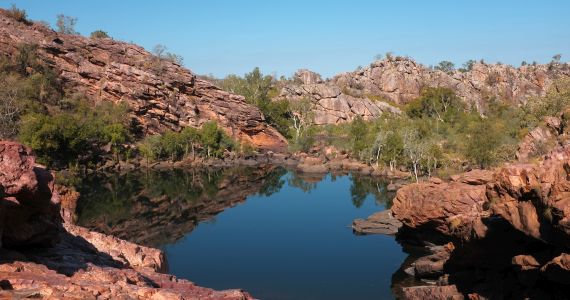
column 29, row 204
column 509, row 228
column 43, row 257
column 161, row 95
column 399, row 80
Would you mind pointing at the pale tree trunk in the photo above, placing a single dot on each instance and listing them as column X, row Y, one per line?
column 416, row 171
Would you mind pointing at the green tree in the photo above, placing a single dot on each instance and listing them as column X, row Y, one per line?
column 358, row 132
column 9, row 108
column 257, row 89
column 416, row 149
column 484, row 139
column 438, row 103
column 468, row 65
column 445, row 66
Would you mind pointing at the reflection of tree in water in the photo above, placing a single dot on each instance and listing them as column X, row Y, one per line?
column 158, row 207
column 362, row 186
column 112, row 196
column 296, row 181
column 273, row 182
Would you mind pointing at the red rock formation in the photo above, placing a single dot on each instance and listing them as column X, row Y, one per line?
column 453, row 209
column 401, row 80
column 513, row 220
column 29, row 211
column 31, row 280
column 41, row 257
column 161, row 95
column 535, row 199
column 434, row 292
column 539, row 140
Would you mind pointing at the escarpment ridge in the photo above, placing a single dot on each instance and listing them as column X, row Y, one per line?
column 161, row 95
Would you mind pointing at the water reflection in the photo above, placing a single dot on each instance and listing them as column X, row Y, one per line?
column 154, row 208
column 290, row 239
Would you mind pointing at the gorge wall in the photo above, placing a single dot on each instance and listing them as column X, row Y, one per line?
column 387, row 83
column 164, row 97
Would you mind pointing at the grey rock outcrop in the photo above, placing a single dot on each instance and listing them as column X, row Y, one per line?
column 367, row 92
column 332, row 106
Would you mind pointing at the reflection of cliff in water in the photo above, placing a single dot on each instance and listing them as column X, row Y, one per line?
column 154, row 208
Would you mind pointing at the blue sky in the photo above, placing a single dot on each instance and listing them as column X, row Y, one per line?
column 222, row 37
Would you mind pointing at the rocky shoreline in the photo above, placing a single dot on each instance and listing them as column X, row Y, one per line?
column 300, row 162
column 45, row 256
column 501, row 234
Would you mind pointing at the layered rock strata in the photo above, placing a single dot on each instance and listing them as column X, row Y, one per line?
column 369, row 91
column 161, row 95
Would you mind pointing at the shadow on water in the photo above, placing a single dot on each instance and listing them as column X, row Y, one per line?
column 290, row 239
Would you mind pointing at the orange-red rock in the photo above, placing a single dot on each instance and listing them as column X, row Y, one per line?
column 453, row 209
column 169, row 97
column 42, row 257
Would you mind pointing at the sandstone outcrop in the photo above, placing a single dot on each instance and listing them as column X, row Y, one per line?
column 450, row 208
column 29, row 210
column 503, row 233
column 401, row 79
column 43, row 257
column 23, row 280
column 367, row 92
column 434, row 292
column 535, row 199
column 379, row 223
column 161, row 95
column 332, row 106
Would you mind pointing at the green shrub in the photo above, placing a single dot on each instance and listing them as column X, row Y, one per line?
column 208, row 141
column 74, row 136
column 99, row 34
column 445, row 66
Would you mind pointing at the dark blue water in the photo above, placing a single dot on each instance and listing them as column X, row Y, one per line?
column 291, row 245
column 291, row 240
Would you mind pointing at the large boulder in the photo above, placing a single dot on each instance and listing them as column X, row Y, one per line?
column 29, row 207
column 535, row 199
column 305, row 76
column 450, row 208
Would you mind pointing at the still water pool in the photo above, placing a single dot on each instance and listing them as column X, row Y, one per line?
column 271, row 232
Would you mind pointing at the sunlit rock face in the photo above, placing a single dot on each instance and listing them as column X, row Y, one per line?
column 380, row 87
column 161, row 95
column 509, row 230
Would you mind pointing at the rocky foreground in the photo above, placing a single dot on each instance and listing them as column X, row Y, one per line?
column 43, row 256
column 502, row 234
